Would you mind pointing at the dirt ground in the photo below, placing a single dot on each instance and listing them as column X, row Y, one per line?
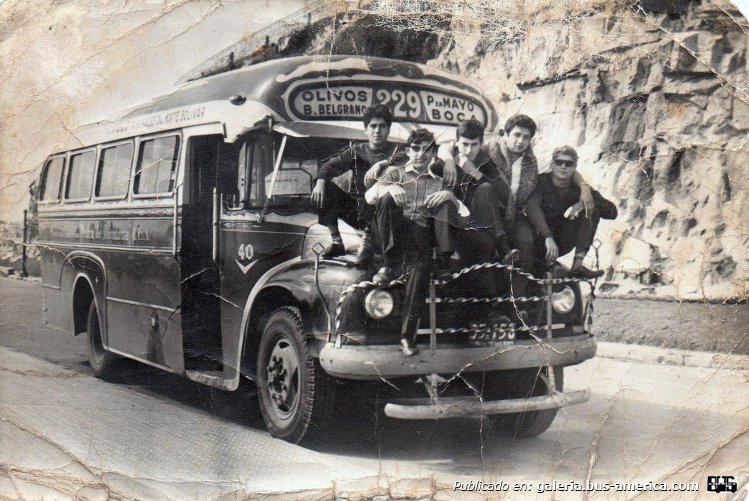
column 721, row 328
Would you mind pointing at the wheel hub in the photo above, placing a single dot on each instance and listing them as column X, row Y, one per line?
column 282, row 378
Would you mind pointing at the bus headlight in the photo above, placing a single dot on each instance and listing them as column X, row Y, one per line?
column 564, row 300
column 379, row 304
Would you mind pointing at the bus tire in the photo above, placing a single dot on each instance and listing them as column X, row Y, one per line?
column 296, row 395
column 102, row 361
column 533, row 423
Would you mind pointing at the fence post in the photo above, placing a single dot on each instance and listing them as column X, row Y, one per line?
column 24, row 271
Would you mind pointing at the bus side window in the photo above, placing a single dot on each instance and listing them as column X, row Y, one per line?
column 157, row 165
column 255, row 163
column 113, row 176
column 80, row 176
column 50, row 185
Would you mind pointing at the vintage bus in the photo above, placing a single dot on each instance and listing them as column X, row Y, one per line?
column 182, row 235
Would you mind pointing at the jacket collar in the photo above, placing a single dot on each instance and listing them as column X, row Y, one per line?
column 506, row 153
column 410, row 168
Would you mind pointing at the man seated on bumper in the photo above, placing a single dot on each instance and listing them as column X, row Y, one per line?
column 412, row 216
column 350, row 206
column 479, row 184
column 568, row 225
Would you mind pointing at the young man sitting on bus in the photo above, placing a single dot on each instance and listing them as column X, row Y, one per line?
column 336, row 203
column 412, row 217
column 513, row 221
column 559, row 199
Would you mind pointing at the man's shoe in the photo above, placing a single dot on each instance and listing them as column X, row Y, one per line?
column 335, row 249
column 442, row 273
column 511, row 257
column 365, row 254
column 409, row 348
column 385, row 276
column 586, row 273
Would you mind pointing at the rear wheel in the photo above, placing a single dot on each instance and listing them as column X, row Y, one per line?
column 102, row 361
column 296, row 395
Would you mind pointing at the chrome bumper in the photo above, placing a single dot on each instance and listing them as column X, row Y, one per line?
column 386, row 361
column 457, row 407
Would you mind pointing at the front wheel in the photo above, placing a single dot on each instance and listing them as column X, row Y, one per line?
column 531, row 383
column 296, row 395
column 102, row 361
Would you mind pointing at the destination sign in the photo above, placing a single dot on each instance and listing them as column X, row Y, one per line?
column 409, row 102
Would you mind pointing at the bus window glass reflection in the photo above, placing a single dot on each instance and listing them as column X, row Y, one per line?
column 157, row 164
column 80, row 176
column 114, row 171
column 50, row 191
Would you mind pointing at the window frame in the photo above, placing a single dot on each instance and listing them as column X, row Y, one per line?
column 43, row 178
column 130, row 178
column 136, row 160
column 70, row 156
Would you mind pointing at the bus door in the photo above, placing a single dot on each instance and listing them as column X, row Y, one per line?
column 201, row 279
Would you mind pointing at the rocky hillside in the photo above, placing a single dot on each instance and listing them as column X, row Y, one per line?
column 657, row 105
column 652, row 93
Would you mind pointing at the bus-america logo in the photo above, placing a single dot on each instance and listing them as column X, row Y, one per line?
column 409, row 102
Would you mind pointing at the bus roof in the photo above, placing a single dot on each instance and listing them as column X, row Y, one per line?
column 330, row 89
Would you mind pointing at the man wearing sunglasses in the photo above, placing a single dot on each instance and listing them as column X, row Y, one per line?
column 413, row 212
column 567, row 224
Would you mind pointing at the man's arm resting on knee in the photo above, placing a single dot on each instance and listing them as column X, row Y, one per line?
column 388, row 184
column 450, row 170
column 586, row 193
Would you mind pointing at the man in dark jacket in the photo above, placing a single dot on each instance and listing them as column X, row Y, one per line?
column 350, row 206
column 559, row 200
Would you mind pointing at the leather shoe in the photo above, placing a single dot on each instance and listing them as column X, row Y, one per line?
column 586, row 273
column 384, row 276
column 365, row 254
column 333, row 250
column 511, row 257
column 408, row 348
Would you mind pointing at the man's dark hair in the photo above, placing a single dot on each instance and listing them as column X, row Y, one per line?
column 470, row 129
column 520, row 121
column 378, row 111
column 418, row 136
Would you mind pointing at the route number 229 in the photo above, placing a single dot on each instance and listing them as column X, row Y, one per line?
column 404, row 104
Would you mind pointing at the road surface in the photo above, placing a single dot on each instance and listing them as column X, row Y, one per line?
column 65, row 434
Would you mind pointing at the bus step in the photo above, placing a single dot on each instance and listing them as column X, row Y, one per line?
column 210, row 378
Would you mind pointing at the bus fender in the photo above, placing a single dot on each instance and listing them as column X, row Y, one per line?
column 83, row 270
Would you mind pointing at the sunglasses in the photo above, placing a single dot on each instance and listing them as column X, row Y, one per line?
column 566, row 163
column 417, row 148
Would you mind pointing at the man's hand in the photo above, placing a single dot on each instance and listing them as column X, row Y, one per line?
column 398, row 194
column 439, row 198
column 586, row 198
column 374, row 172
column 318, row 192
column 449, row 173
column 552, row 251
column 574, row 210
column 467, row 166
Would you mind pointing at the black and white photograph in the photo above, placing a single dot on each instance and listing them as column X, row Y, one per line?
column 374, row 249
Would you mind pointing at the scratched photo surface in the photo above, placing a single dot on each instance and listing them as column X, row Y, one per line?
column 177, row 321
